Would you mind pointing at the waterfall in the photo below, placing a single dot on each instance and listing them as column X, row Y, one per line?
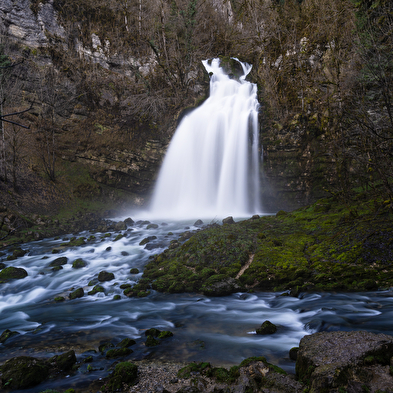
column 211, row 167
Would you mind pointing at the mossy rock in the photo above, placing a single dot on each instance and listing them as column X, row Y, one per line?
column 59, row 299
column 267, row 328
column 78, row 293
column 96, row 289
column 65, row 361
column 147, row 240
column 24, row 372
column 12, row 273
column 117, row 297
column 75, row 242
column 152, row 226
column 2, row 265
column 105, row 346
column 201, row 367
column 165, row 334
column 118, row 352
column 151, row 341
column 105, row 276
column 6, row 335
column 125, row 286
column 18, row 252
column 79, row 263
column 118, row 237
column 126, row 342
column 134, row 270
column 152, row 332
column 58, row 262
column 124, row 373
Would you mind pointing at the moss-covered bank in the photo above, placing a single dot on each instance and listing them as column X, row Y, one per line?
column 326, row 246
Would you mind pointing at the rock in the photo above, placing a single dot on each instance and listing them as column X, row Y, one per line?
column 126, row 342
column 152, row 226
column 165, row 334
column 224, row 287
column 334, row 361
column 256, row 373
column 134, row 270
column 120, row 226
column 6, row 335
column 198, row 223
column 116, row 297
column 2, row 265
column 151, row 341
column 105, row 276
column 96, row 289
column 79, row 263
column 58, row 262
column 124, row 373
column 228, row 220
column 59, row 299
column 24, row 372
column 18, row 252
column 115, row 353
column 118, row 237
column 267, row 328
column 152, row 332
column 12, row 273
column 77, row 293
column 104, row 346
column 129, row 222
column 293, row 353
column 147, row 240
column 65, row 361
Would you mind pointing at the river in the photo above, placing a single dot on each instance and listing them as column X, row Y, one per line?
column 219, row 330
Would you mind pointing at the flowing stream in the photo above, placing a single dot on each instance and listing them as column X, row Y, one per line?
column 219, row 330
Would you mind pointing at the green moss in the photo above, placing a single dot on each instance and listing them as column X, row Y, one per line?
column 320, row 247
column 124, row 373
column 96, row 289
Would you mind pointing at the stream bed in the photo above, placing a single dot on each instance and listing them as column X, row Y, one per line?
column 219, row 330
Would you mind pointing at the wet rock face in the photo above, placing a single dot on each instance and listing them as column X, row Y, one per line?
column 350, row 360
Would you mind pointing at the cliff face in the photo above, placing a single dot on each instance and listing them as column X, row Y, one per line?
column 122, row 76
column 19, row 21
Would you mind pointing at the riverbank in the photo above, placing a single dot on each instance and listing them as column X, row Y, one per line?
column 327, row 246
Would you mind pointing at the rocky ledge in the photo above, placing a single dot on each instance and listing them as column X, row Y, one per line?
column 328, row 362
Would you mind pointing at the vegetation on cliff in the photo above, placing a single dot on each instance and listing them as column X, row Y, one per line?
column 116, row 75
column 326, row 246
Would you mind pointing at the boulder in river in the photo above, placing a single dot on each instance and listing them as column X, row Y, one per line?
column 77, row 293
column 267, row 328
column 356, row 361
column 105, row 276
column 79, row 263
column 6, row 335
column 12, row 273
column 65, row 361
column 58, row 262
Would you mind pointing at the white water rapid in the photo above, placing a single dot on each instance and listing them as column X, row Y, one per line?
column 211, row 167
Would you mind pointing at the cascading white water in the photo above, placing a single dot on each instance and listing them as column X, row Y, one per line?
column 211, row 167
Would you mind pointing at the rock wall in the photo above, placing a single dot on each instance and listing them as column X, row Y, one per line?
column 291, row 165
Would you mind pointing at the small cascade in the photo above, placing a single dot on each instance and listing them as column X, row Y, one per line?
column 211, row 167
